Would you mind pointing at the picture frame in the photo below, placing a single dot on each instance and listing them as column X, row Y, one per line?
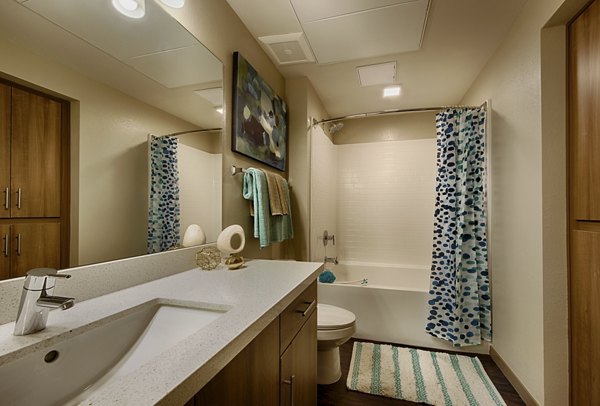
column 260, row 127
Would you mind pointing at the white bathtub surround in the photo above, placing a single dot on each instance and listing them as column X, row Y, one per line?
column 254, row 296
column 385, row 204
column 323, row 201
column 391, row 308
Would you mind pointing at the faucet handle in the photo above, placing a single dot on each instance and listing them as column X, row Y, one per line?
column 40, row 278
column 43, row 272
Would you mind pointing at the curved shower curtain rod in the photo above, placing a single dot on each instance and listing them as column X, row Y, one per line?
column 396, row 111
column 207, row 130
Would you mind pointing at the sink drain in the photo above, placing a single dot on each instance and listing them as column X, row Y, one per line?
column 51, row 356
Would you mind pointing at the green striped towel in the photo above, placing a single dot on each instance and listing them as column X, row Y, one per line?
column 428, row 377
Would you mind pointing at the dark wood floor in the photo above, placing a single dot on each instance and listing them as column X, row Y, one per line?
column 338, row 395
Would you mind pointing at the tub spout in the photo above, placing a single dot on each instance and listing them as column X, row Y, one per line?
column 332, row 260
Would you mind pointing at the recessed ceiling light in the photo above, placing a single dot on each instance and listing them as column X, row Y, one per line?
column 219, row 110
column 391, row 91
column 174, row 3
column 130, row 8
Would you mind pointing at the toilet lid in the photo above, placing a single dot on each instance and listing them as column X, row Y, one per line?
column 332, row 318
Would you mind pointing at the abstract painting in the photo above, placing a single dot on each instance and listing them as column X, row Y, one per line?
column 259, row 117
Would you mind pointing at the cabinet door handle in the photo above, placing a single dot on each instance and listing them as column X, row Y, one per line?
column 18, row 244
column 19, row 198
column 6, row 242
column 7, row 198
column 291, row 383
column 308, row 309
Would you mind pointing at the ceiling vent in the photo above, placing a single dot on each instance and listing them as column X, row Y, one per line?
column 288, row 49
column 380, row 74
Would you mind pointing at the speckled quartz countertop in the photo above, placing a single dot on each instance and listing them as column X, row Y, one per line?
column 255, row 296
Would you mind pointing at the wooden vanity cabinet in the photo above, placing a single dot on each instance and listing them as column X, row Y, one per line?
column 298, row 367
column 34, row 175
column 298, row 350
column 251, row 378
column 279, row 367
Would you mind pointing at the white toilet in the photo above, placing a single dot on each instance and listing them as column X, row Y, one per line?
column 334, row 327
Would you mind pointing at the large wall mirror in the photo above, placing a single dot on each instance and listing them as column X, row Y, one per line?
column 127, row 81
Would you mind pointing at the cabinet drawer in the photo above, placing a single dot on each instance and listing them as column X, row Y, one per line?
column 295, row 315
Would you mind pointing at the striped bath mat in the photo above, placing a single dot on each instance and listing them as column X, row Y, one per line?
column 420, row 376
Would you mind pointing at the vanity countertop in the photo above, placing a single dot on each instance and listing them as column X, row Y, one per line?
column 256, row 295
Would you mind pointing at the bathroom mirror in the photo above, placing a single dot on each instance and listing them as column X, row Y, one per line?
column 125, row 78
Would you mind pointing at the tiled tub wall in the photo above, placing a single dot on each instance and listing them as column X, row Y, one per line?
column 385, row 201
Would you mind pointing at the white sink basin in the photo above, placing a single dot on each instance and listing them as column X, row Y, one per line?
column 73, row 369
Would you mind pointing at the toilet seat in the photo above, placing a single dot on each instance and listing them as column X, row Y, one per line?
column 333, row 318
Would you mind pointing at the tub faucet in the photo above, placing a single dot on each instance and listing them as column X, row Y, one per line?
column 333, row 260
column 37, row 299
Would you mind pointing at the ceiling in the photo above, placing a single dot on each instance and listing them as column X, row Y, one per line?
column 439, row 46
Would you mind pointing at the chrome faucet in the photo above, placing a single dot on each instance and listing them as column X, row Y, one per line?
column 37, row 299
column 333, row 260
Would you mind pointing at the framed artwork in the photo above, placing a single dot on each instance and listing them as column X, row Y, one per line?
column 259, row 128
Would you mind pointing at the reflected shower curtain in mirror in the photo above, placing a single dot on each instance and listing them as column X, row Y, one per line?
column 459, row 296
column 163, row 211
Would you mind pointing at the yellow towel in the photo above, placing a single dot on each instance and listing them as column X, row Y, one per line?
column 278, row 200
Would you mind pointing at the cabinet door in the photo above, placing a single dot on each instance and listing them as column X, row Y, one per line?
column 5, row 252
column 299, row 367
column 4, row 151
column 584, row 110
column 251, row 378
column 34, row 245
column 585, row 314
column 36, row 155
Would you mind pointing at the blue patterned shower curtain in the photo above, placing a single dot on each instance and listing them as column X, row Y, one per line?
column 459, row 297
column 163, row 211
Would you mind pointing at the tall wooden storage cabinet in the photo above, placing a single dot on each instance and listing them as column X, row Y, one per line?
column 33, row 179
column 584, row 205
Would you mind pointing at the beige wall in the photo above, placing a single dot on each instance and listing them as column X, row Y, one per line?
column 304, row 104
column 109, row 155
column 216, row 25
column 525, row 81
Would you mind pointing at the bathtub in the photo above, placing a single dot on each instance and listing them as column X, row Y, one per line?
column 391, row 308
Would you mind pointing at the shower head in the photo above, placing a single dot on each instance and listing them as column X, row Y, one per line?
column 335, row 127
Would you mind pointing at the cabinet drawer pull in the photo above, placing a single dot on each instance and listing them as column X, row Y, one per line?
column 19, row 198
column 291, row 383
column 6, row 244
column 18, row 244
column 311, row 305
column 7, row 198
